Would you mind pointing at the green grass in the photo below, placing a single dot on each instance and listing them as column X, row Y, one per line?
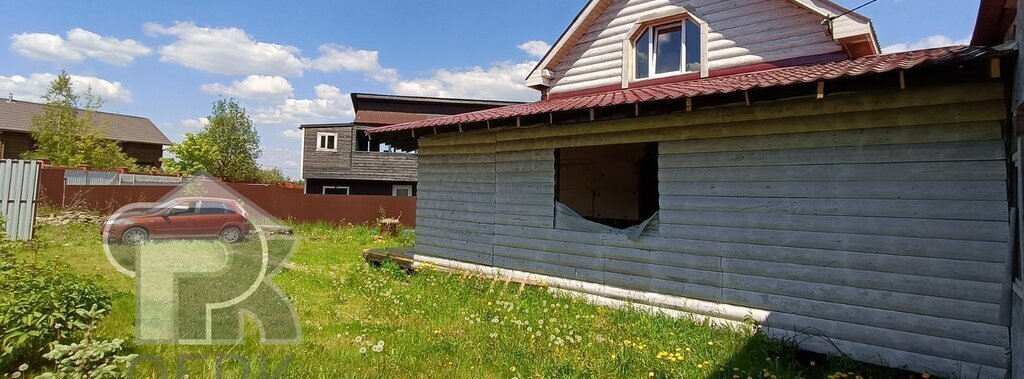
column 440, row 325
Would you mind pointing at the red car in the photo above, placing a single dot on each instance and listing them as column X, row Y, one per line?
column 190, row 217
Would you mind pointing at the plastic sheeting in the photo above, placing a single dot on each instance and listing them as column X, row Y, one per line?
column 568, row 219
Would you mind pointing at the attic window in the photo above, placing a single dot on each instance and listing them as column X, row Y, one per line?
column 614, row 185
column 667, row 49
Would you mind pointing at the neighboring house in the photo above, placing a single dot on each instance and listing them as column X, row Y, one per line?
column 999, row 21
column 139, row 137
column 339, row 159
column 747, row 161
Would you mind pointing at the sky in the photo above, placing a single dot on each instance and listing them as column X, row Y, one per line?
column 291, row 63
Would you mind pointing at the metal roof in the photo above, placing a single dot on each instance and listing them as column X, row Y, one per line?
column 715, row 85
column 17, row 116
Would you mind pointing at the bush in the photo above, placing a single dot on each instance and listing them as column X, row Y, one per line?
column 42, row 304
column 89, row 358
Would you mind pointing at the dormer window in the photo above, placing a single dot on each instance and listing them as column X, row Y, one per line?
column 668, row 49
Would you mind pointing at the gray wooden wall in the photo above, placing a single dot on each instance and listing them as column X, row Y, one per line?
column 884, row 230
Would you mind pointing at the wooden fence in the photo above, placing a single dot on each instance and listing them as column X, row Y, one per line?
column 280, row 202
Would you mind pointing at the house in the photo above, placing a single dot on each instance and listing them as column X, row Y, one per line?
column 339, row 159
column 139, row 137
column 745, row 160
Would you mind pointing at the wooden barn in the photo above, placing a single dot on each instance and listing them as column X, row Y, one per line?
column 746, row 159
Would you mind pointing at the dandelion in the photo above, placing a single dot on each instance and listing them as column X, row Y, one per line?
column 362, row 350
column 495, row 320
column 711, row 343
column 494, row 335
column 23, row 367
column 812, row 363
column 650, row 374
column 359, row 339
column 16, row 375
column 512, row 369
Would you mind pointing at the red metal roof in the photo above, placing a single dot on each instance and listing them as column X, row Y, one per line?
column 715, row 85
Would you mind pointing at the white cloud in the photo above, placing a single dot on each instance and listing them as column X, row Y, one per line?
column 254, row 87
column 285, row 159
column 503, row 81
column 343, row 58
column 33, row 87
column 228, row 51
column 929, row 42
column 329, row 105
column 79, row 45
column 535, row 49
column 195, row 123
column 292, row 134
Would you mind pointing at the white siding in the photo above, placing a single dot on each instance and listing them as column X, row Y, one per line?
column 742, row 32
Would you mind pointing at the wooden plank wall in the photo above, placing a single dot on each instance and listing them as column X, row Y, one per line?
column 455, row 202
column 878, row 219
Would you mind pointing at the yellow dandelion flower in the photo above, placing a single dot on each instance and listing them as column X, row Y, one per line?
column 613, row 356
column 711, row 343
column 700, row 366
column 650, row 374
column 513, row 368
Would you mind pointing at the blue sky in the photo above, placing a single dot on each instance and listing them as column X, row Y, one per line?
column 291, row 64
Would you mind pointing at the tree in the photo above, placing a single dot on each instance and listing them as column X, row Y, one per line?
column 227, row 147
column 195, row 154
column 272, row 176
column 67, row 133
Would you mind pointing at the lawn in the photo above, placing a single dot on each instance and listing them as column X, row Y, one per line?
column 360, row 321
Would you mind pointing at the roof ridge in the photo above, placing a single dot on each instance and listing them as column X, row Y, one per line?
column 16, row 101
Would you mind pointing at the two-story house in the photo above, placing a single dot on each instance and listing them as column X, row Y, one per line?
column 339, row 159
column 746, row 161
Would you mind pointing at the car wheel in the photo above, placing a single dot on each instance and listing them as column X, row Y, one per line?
column 231, row 234
column 135, row 236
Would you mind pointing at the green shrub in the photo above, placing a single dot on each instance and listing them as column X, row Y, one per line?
column 43, row 304
column 89, row 359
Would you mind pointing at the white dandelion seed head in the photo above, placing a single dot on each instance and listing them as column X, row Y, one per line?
column 362, row 350
column 16, row 374
column 23, row 367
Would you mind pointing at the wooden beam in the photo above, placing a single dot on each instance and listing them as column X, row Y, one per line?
column 519, row 122
column 592, row 116
column 460, row 127
column 903, row 80
column 995, row 68
column 488, row 124
column 413, row 132
column 551, row 118
column 746, row 97
column 636, row 109
column 689, row 104
column 435, row 130
column 821, row 90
